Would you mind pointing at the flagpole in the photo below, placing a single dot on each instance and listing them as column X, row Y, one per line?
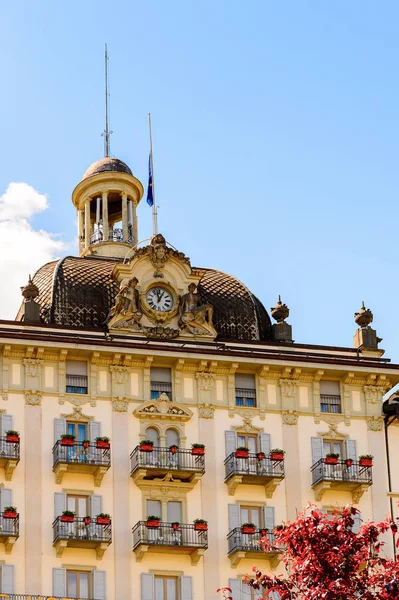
column 154, row 208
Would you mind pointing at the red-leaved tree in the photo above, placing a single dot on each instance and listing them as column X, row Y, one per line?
column 325, row 559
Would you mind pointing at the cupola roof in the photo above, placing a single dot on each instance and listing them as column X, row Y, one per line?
column 106, row 165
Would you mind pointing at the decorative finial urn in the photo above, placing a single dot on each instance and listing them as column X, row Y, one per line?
column 364, row 317
column 280, row 312
column 30, row 290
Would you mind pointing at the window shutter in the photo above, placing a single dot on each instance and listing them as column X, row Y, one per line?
column 350, row 449
column 6, row 423
column 234, row 516
column 268, row 518
column 230, row 438
column 96, row 505
column 99, row 585
column 317, row 449
column 94, row 430
column 7, row 579
column 59, row 583
column 357, row 518
column 186, row 587
column 59, row 428
column 265, row 442
column 235, row 586
column 147, row 586
column 5, row 498
column 60, row 503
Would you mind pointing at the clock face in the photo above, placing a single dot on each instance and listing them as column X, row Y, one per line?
column 158, row 298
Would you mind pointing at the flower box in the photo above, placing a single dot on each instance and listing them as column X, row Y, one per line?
column 331, row 460
column 201, row 526
column 247, row 529
column 366, row 462
column 152, row 522
column 12, row 438
column 278, row 456
column 103, row 520
column 242, row 453
column 102, row 444
column 67, row 442
column 198, row 451
column 67, row 519
column 10, row 514
column 146, row 447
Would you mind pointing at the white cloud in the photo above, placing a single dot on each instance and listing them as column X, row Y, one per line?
column 22, row 249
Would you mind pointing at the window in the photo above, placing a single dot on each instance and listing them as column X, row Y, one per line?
column 245, row 390
column 152, row 434
column 251, row 514
column 161, row 382
column 76, row 377
column 79, row 505
column 78, row 584
column 172, row 438
column 248, row 441
column 79, row 430
column 173, row 513
column 330, row 397
column 165, row 588
column 330, row 446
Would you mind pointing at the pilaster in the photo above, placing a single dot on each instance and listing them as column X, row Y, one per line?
column 87, row 223
column 33, row 501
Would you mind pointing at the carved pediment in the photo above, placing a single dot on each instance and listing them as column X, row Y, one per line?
column 163, row 408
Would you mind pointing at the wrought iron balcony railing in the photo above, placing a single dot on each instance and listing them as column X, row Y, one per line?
column 81, row 454
column 186, row 536
column 9, row 450
column 6, row 596
column 79, row 531
column 114, row 235
column 162, row 459
column 341, row 472
column 9, row 527
column 238, row 541
column 264, row 467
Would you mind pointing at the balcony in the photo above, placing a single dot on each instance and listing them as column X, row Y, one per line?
column 115, row 234
column 161, row 463
column 342, row 476
column 81, row 458
column 80, row 534
column 252, row 471
column 9, row 531
column 247, row 545
column 9, row 457
column 76, row 384
column 165, row 540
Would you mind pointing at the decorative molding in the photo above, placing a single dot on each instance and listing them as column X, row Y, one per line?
column 333, row 433
column 247, row 426
column 4, row 395
column 205, row 381
column 206, row 411
column 165, row 488
column 9, row 468
column 163, row 408
column 374, row 393
column 288, row 387
column 290, row 417
column 76, row 400
column 120, row 404
column 119, row 374
column 247, row 412
column 32, row 366
column 33, row 398
column 375, row 423
column 77, row 415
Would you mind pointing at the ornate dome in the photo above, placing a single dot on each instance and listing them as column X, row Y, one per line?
column 107, row 164
column 79, row 292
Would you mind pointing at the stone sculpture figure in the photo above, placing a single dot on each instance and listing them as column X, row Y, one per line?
column 126, row 312
column 195, row 316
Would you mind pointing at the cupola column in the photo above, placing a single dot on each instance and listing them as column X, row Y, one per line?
column 105, row 217
column 125, row 228
column 87, row 222
column 80, row 228
column 135, row 230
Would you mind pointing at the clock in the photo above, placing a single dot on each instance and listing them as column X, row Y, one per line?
column 160, row 299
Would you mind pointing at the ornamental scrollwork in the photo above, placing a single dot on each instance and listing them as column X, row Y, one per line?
column 375, row 423
column 32, row 366
column 33, row 398
column 119, row 374
column 206, row 411
column 120, row 404
column 288, row 387
column 373, row 393
column 290, row 417
column 205, row 381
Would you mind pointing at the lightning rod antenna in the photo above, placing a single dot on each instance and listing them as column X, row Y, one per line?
column 107, row 132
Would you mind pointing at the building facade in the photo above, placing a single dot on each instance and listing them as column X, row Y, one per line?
column 159, row 396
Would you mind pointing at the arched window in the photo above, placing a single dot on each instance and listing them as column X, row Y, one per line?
column 152, row 434
column 172, row 437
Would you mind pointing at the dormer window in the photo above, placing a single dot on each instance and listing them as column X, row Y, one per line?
column 330, row 397
column 76, row 377
column 245, row 390
column 161, row 382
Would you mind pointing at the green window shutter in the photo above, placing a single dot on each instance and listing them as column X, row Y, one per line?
column 59, row 428
column 230, row 438
column 351, row 449
column 234, row 516
column 7, row 579
column 99, row 580
column 5, row 498
column 147, row 586
column 59, row 583
column 186, row 587
column 6, row 423
column 235, row 586
column 265, row 442
column 317, row 449
column 60, row 503
column 268, row 518
column 96, row 505
column 94, row 430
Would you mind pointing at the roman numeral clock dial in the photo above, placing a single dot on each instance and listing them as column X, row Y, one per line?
column 159, row 299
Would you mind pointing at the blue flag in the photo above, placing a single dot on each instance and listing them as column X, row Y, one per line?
column 150, row 197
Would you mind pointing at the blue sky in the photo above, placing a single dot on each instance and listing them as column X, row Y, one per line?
column 275, row 130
